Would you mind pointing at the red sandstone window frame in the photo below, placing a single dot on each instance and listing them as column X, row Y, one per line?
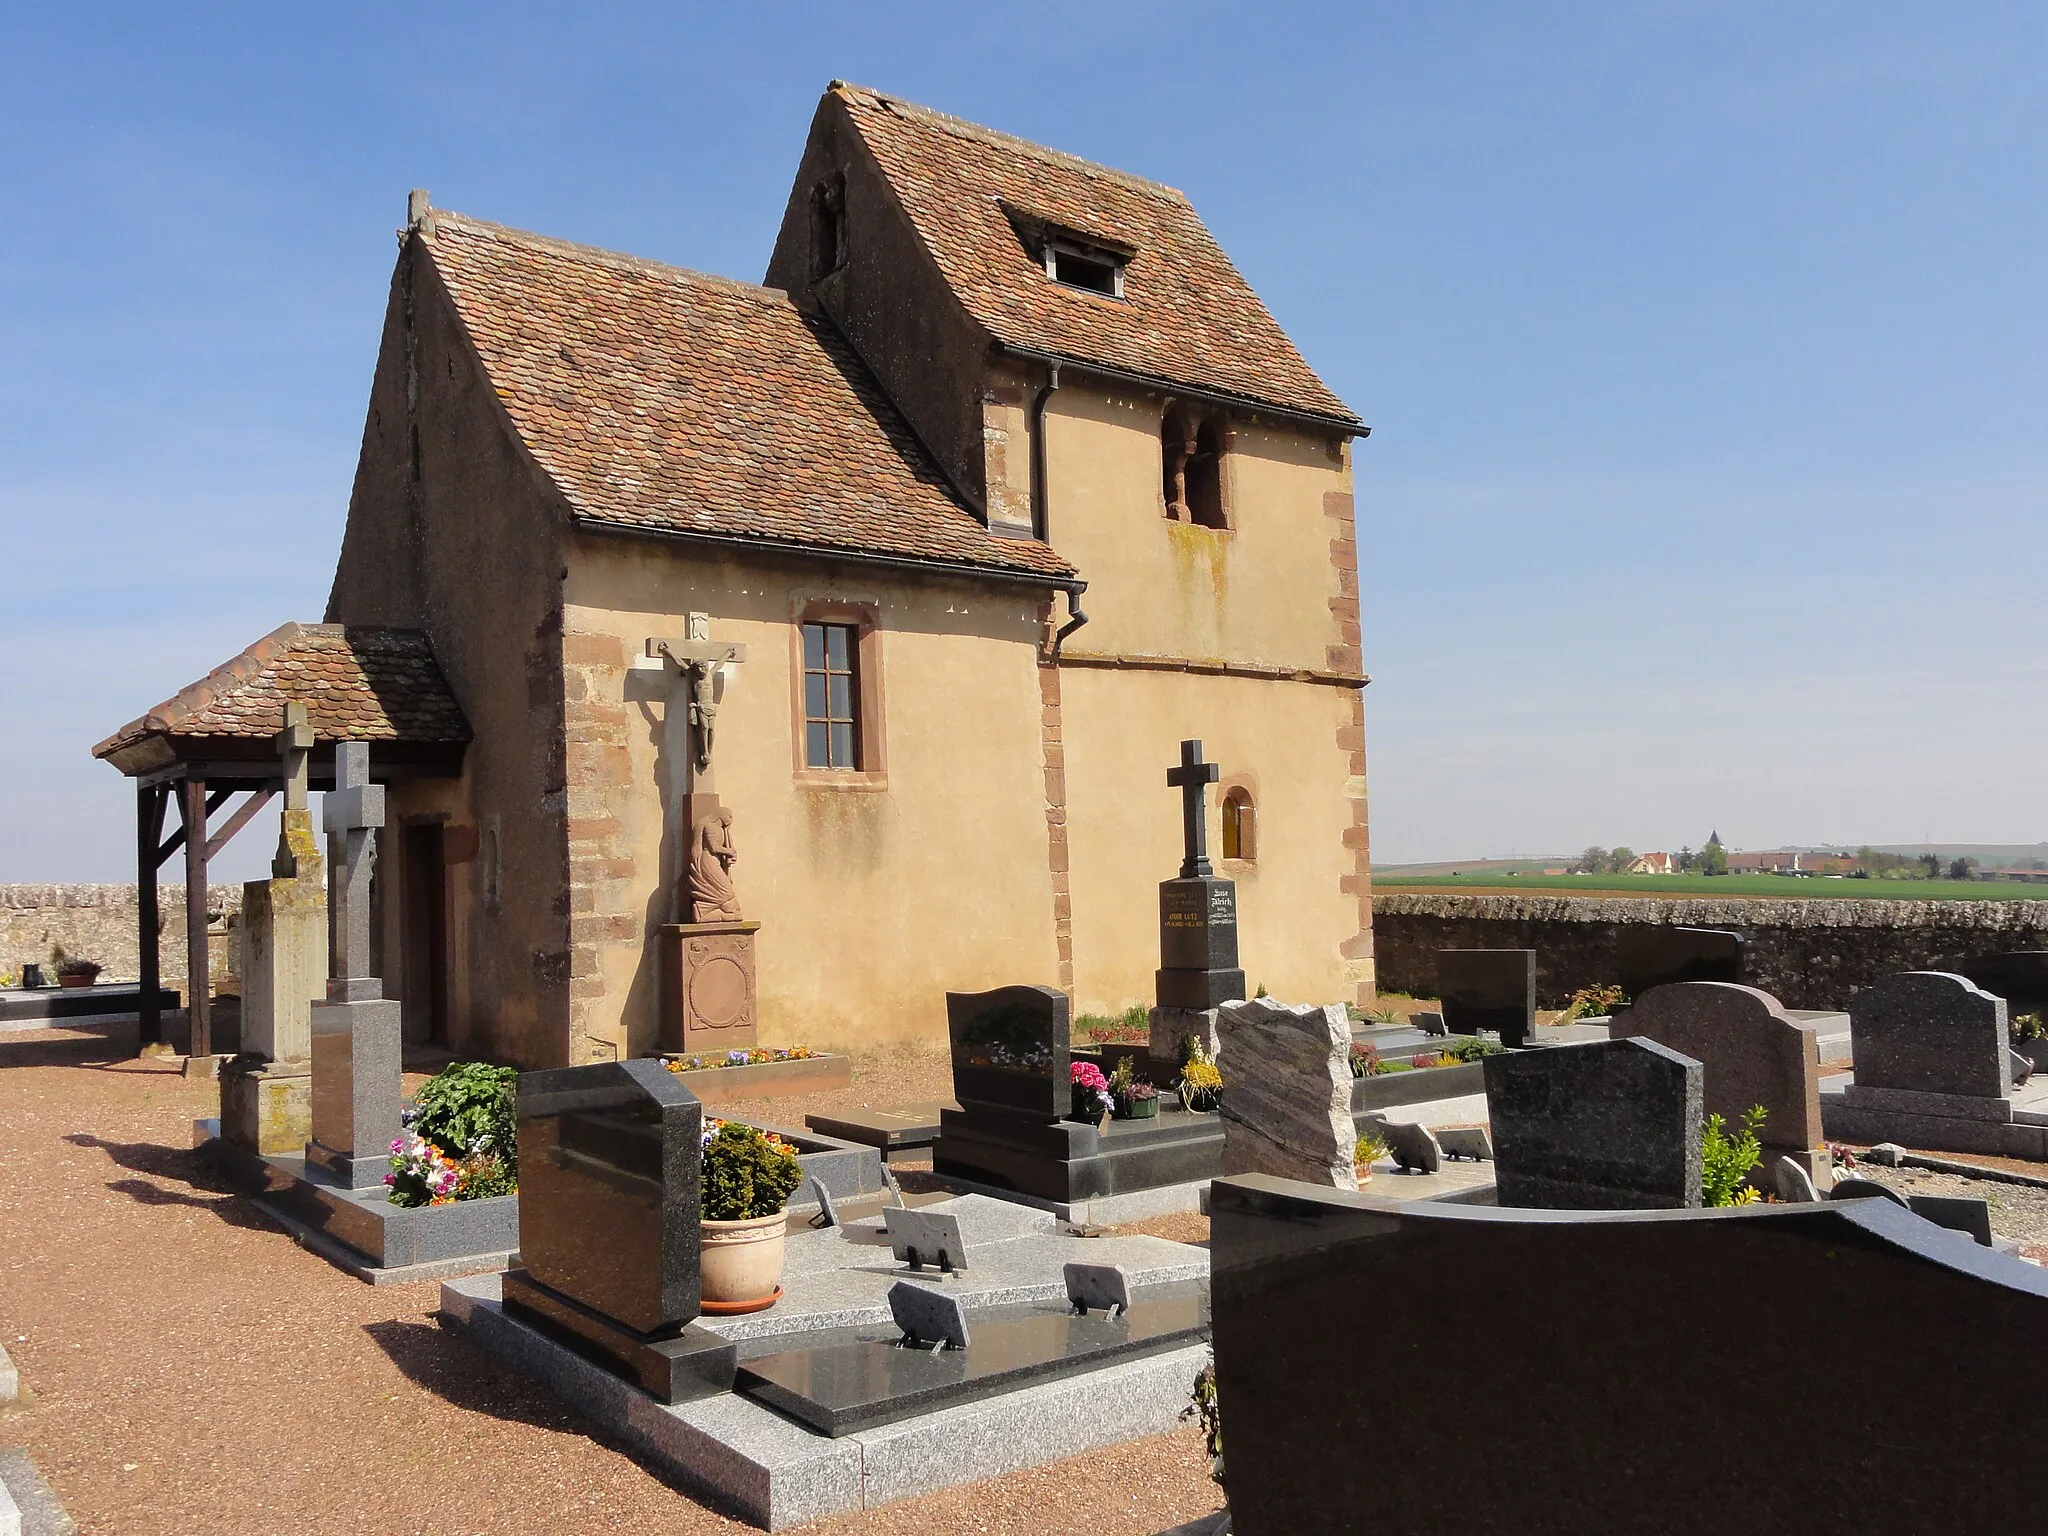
column 870, row 771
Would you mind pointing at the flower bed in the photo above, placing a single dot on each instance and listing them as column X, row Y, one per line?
column 460, row 1140
column 760, row 1072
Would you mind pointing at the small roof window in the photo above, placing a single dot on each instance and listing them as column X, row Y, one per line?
column 1079, row 266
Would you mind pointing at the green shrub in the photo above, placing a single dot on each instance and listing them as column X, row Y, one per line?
column 1473, row 1050
column 1726, row 1160
column 748, row 1172
column 1205, row 1410
column 470, row 1108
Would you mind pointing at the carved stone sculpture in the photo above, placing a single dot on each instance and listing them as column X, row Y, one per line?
column 712, row 896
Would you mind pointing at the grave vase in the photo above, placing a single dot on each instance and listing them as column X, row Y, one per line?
column 740, row 1263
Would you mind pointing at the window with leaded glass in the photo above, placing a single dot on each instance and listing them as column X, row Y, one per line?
column 831, row 696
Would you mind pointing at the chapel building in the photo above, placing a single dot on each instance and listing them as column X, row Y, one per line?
column 1003, row 484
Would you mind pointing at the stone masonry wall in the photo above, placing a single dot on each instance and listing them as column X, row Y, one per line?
column 97, row 922
column 1807, row 954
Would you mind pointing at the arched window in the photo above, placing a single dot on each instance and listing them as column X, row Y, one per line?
column 1240, row 824
column 1176, row 444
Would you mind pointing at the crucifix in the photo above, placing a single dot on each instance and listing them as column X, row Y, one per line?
column 698, row 657
column 294, row 743
column 353, row 812
column 1193, row 778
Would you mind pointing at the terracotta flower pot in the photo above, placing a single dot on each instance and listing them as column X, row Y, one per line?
column 76, row 981
column 741, row 1262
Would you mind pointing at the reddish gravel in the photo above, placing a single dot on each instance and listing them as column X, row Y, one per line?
column 194, row 1370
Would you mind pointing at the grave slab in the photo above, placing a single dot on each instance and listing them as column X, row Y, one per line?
column 1610, row 1124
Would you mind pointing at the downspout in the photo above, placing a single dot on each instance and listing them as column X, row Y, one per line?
column 1040, row 522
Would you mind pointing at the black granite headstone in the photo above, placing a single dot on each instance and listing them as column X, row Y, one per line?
column 609, row 1168
column 1652, row 955
column 1607, row 1125
column 2019, row 976
column 1490, row 989
column 1863, row 1303
column 1010, row 1049
column 1197, row 910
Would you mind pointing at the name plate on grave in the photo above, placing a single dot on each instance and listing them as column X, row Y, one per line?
column 1198, row 925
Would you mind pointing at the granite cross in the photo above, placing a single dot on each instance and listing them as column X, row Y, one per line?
column 294, row 742
column 353, row 811
column 1193, row 777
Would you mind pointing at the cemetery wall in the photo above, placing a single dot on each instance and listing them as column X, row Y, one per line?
column 1808, row 954
column 97, row 922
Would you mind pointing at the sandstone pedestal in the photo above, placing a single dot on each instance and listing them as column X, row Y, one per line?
column 707, row 987
column 266, row 1107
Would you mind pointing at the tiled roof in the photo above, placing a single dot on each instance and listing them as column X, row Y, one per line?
column 1186, row 316
column 663, row 399
column 358, row 683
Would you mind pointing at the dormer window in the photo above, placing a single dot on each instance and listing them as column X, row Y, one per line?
column 1077, row 266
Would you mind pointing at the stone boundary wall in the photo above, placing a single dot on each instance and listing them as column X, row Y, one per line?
column 97, row 922
column 1807, row 954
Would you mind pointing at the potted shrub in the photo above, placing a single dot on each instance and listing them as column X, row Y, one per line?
column 73, row 970
column 748, row 1176
column 1131, row 1099
column 1370, row 1150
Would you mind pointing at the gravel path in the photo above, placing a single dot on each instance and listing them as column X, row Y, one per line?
column 2017, row 1211
column 193, row 1370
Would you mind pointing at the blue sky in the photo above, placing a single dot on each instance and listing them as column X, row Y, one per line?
column 1703, row 346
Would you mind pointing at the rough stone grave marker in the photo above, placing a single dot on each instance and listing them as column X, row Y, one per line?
column 1287, row 1108
column 1753, row 1055
column 1488, row 989
column 609, row 1200
column 356, row 1041
column 1606, row 1125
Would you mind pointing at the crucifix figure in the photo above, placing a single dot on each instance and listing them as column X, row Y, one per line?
column 1193, row 778
column 354, row 810
column 698, row 658
column 294, row 742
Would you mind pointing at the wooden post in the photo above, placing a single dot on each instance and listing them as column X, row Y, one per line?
column 197, row 992
column 149, row 831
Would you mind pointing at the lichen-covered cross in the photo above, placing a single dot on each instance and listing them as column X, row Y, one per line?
column 353, row 812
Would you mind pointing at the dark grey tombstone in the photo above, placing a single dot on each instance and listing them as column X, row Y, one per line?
column 609, row 1201
column 1412, row 1147
column 2020, row 976
column 1868, row 1305
column 1490, row 989
column 1854, row 1188
column 1607, row 1125
column 928, row 1317
column 1466, row 1141
column 1010, row 1050
column 1958, row 1213
column 1650, row 955
column 1930, row 1032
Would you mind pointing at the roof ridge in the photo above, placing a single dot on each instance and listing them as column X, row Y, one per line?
column 945, row 122
column 598, row 255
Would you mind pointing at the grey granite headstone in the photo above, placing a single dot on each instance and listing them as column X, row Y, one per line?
column 1966, row 1214
column 609, row 1191
column 1488, row 989
column 2022, row 1067
column 1286, row 1107
column 1098, row 1288
column 1930, row 1032
column 1795, row 1185
column 918, row 1238
column 1429, row 1021
column 357, row 1040
column 928, row 1316
column 1466, row 1141
column 1607, row 1125
column 1753, row 1055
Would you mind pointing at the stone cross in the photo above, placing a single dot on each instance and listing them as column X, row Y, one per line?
column 294, row 742
column 698, row 658
column 353, row 812
column 1193, row 778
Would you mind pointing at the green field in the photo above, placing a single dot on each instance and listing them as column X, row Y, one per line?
column 1783, row 887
